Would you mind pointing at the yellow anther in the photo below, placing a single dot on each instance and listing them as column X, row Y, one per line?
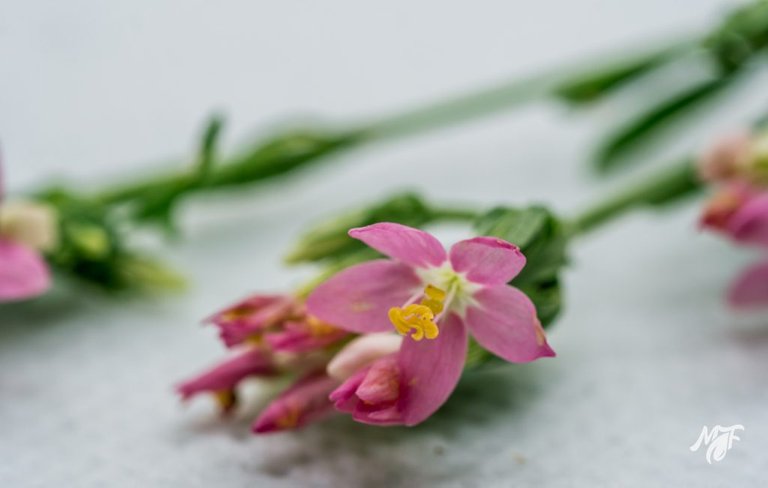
column 237, row 313
column 433, row 305
column 227, row 400
column 290, row 418
column 319, row 328
column 416, row 319
column 434, row 293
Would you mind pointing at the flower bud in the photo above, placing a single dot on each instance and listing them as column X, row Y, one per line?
column 32, row 224
column 727, row 158
column 222, row 379
column 90, row 240
column 304, row 402
column 741, row 156
column 361, row 352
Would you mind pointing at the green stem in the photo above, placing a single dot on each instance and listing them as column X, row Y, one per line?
column 572, row 84
column 667, row 186
column 488, row 101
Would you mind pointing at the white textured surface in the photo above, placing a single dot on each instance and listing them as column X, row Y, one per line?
column 647, row 355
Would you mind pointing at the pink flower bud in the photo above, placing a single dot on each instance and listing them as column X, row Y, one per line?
column 248, row 319
column 361, row 352
column 304, row 402
column 222, row 379
column 727, row 158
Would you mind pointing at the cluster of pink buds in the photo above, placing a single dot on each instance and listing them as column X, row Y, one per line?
column 738, row 166
column 384, row 341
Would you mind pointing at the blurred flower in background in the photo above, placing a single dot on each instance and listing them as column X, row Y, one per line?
column 737, row 165
column 27, row 229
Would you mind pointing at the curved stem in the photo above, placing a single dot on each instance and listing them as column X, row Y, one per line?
column 669, row 185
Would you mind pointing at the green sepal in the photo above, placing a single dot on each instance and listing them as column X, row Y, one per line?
column 329, row 241
column 615, row 149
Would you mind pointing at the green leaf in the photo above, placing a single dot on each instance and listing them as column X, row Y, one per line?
column 547, row 297
column 742, row 35
column 542, row 239
column 613, row 151
column 598, row 83
column 208, row 144
column 538, row 234
column 518, row 226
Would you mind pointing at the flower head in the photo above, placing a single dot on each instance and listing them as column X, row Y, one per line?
column 23, row 271
column 739, row 209
column 433, row 299
column 750, row 290
column 740, row 212
column 741, row 156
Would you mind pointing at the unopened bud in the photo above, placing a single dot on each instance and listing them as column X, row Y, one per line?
column 361, row 352
column 32, row 224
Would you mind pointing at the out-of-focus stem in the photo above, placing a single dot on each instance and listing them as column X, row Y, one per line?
column 664, row 187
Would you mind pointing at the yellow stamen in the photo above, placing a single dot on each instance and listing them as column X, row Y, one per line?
column 226, row 400
column 290, row 418
column 419, row 318
column 237, row 313
column 318, row 328
column 434, row 293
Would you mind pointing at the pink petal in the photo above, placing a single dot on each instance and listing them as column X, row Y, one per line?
column 406, row 244
column 487, row 260
column 247, row 318
column 504, row 322
column 750, row 223
column 359, row 298
column 343, row 397
column 372, row 395
column 431, row 369
column 300, row 338
column 226, row 375
column 23, row 272
column 751, row 288
column 304, row 402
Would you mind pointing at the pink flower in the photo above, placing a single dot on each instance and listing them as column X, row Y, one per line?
column 23, row 271
column 222, row 379
column 279, row 322
column 304, row 402
column 750, row 290
column 740, row 212
column 727, row 158
column 426, row 293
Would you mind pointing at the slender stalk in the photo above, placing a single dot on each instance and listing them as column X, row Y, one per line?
column 669, row 185
column 572, row 83
column 488, row 101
